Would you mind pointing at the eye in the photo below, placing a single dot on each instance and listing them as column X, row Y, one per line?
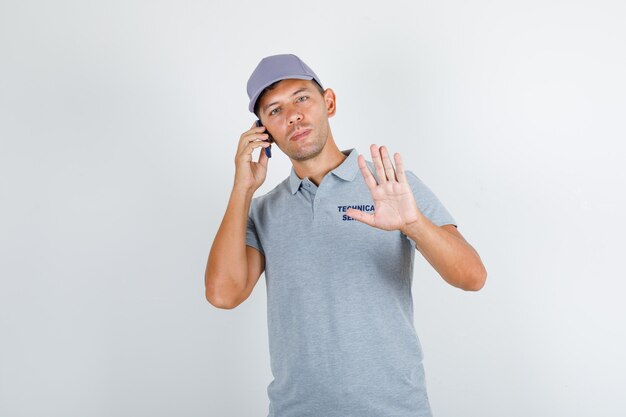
column 273, row 112
column 303, row 98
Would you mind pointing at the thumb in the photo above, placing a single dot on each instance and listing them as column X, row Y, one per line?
column 263, row 159
column 362, row 216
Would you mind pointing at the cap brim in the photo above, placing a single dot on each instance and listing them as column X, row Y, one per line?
column 260, row 90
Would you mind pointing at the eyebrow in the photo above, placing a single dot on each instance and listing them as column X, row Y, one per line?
column 295, row 92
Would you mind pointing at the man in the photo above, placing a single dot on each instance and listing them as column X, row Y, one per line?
column 337, row 248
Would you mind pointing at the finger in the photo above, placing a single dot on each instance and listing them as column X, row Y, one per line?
column 246, row 154
column 361, row 216
column 390, row 172
column 251, row 135
column 400, row 168
column 254, row 130
column 370, row 181
column 256, row 144
column 378, row 164
column 254, row 126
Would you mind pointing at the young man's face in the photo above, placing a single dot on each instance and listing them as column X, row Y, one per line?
column 294, row 107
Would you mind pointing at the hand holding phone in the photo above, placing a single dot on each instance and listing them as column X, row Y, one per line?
column 268, row 150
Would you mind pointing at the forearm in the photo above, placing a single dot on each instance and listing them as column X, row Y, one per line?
column 226, row 271
column 452, row 257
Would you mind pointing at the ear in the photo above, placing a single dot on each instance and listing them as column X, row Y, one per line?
column 331, row 102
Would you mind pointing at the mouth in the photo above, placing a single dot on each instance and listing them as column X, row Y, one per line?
column 300, row 134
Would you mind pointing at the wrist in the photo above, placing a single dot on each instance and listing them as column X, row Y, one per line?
column 242, row 190
column 413, row 228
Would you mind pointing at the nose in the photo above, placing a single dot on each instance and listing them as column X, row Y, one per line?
column 294, row 116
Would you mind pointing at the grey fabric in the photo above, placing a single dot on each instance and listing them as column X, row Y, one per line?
column 275, row 68
column 339, row 304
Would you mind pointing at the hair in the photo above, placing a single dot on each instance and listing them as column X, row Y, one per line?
column 271, row 87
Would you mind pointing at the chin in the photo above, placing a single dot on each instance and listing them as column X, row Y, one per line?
column 305, row 154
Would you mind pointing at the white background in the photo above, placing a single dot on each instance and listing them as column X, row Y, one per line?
column 119, row 122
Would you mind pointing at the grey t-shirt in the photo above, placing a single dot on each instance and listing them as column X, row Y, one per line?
column 339, row 304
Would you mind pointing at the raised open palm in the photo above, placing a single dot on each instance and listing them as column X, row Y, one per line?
column 394, row 204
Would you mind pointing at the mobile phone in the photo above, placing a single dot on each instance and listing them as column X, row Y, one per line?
column 268, row 150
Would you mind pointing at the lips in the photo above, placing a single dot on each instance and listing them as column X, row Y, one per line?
column 299, row 134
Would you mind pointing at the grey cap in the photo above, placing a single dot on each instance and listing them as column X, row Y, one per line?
column 275, row 68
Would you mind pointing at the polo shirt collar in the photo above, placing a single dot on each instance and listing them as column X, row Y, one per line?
column 346, row 171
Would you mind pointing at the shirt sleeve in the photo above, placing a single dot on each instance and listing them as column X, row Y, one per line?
column 252, row 237
column 428, row 203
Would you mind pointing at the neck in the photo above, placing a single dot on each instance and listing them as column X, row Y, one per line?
column 316, row 168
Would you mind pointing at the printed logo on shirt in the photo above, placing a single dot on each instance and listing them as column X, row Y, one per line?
column 368, row 208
